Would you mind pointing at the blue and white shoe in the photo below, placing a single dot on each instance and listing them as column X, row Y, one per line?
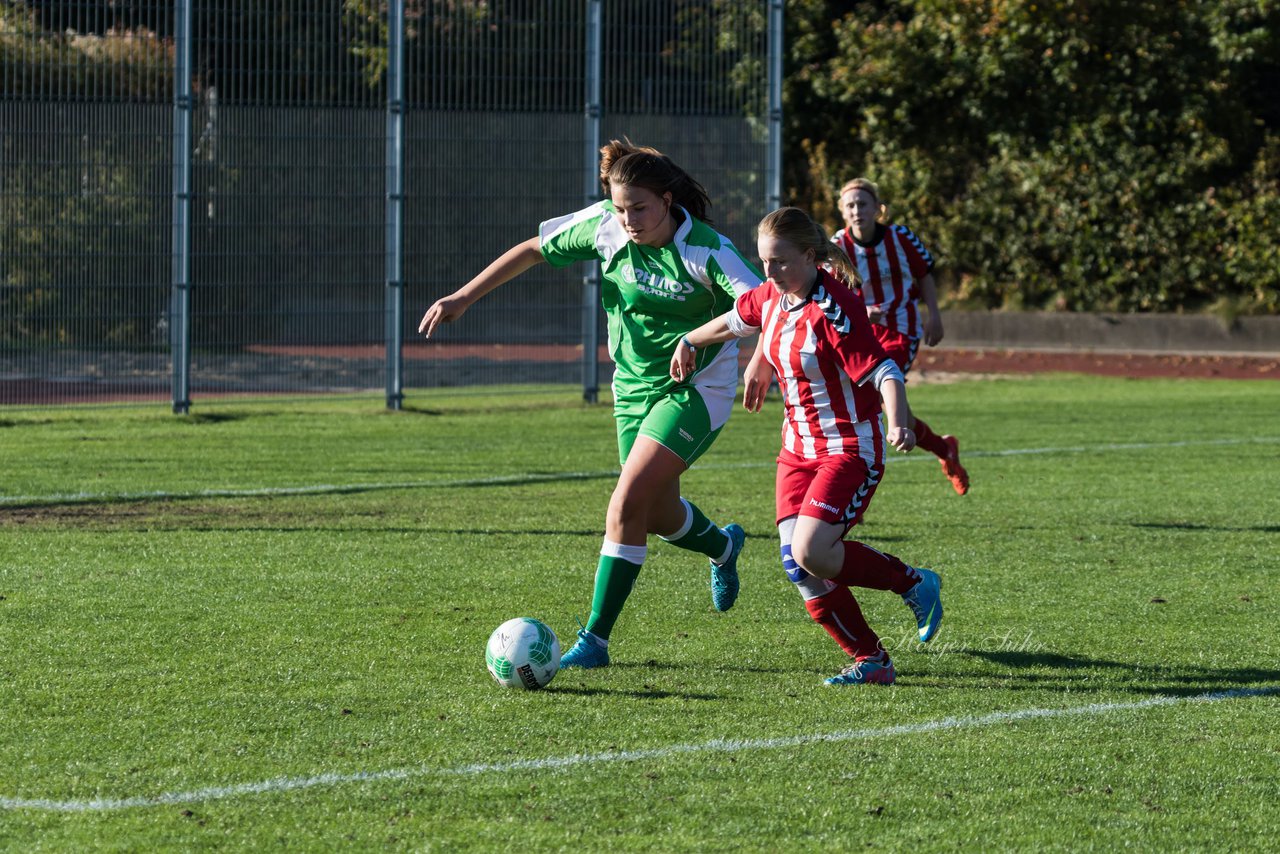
column 868, row 671
column 724, row 577
column 586, row 653
column 925, row 601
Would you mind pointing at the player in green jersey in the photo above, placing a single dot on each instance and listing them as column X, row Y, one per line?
column 665, row 273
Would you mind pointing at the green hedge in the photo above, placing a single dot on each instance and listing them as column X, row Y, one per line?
column 1116, row 156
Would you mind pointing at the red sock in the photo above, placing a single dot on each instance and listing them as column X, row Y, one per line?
column 839, row 614
column 867, row 567
column 929, row 440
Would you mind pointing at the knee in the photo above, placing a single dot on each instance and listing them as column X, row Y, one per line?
column 616, row 513
column 814, row 560
column 626, row 505
column 810, row 586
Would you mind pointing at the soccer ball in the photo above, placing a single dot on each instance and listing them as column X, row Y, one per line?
column 523, row 653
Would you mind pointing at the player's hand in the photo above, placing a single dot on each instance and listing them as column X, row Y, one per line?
column 755, row 383
column 683, row 361
column 902, row 438
column 444, row 310
column 874, row 314
column 933, row 329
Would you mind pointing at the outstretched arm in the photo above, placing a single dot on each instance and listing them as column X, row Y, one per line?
column 510, row 264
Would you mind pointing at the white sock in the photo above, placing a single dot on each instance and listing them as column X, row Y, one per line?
column 728, row 550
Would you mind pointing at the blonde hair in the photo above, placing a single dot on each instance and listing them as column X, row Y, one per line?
column 867, row 186
column 798, row 228
column 625, row 164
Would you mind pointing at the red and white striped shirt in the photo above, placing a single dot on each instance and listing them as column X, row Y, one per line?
column 823, row 350
column 889, row 267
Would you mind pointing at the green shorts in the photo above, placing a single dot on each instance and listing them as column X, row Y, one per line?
column 685, row 419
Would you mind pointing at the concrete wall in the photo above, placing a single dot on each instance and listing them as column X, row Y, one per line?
column 1153, row 333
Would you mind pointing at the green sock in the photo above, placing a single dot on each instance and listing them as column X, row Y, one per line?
column 702, row 535
column 614, row 579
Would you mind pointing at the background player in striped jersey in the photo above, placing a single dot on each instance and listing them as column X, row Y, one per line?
column 665, row 271
column 894, row 271
column 833, row 374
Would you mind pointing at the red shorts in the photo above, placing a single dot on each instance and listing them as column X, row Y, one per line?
column 897, row 346
column 836, row 489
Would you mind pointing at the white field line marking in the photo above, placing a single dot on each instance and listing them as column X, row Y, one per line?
column 513, row 479
column 288, row 784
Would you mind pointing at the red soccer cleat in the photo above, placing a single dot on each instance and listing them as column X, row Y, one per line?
column 951, row 465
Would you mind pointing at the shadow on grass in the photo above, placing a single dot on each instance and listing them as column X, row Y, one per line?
column 697, row 670
column 380, row 529
column 108, row 500
column 652, row 693
column 649, row 694
column 213, row 417
column 1049, row 669
column 513, row 532
column 1193, row 526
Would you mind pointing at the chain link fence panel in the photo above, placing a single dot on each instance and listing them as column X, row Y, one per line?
column 285, row 228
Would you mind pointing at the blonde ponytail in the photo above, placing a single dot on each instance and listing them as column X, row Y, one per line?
column 798, row 228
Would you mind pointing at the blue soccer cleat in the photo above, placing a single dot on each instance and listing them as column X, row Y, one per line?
column 925, row 601
column 586, row 653
column 868, row 671
column 724, row 577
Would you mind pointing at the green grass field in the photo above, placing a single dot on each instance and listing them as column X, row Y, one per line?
column 262, row 627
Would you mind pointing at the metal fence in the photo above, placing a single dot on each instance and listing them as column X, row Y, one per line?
column 208, row 197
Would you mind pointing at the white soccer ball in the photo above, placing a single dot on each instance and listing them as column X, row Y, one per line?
column 523, row 653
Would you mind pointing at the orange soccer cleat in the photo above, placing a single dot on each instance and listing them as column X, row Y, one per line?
column 951, row 465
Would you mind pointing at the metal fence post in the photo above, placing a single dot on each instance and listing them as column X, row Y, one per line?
column 591, row 184
column 180, row 300
column 395, row 204
column 773, row 191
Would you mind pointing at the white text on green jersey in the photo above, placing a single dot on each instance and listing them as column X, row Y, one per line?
column 651, row 283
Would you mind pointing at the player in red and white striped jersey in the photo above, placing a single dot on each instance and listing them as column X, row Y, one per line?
column 894, row 271
column 834, row 376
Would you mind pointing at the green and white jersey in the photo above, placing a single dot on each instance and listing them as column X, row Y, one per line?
column 654, row 295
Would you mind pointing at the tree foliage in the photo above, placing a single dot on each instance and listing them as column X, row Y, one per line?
column 1069, row 154
column 1072, row 155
